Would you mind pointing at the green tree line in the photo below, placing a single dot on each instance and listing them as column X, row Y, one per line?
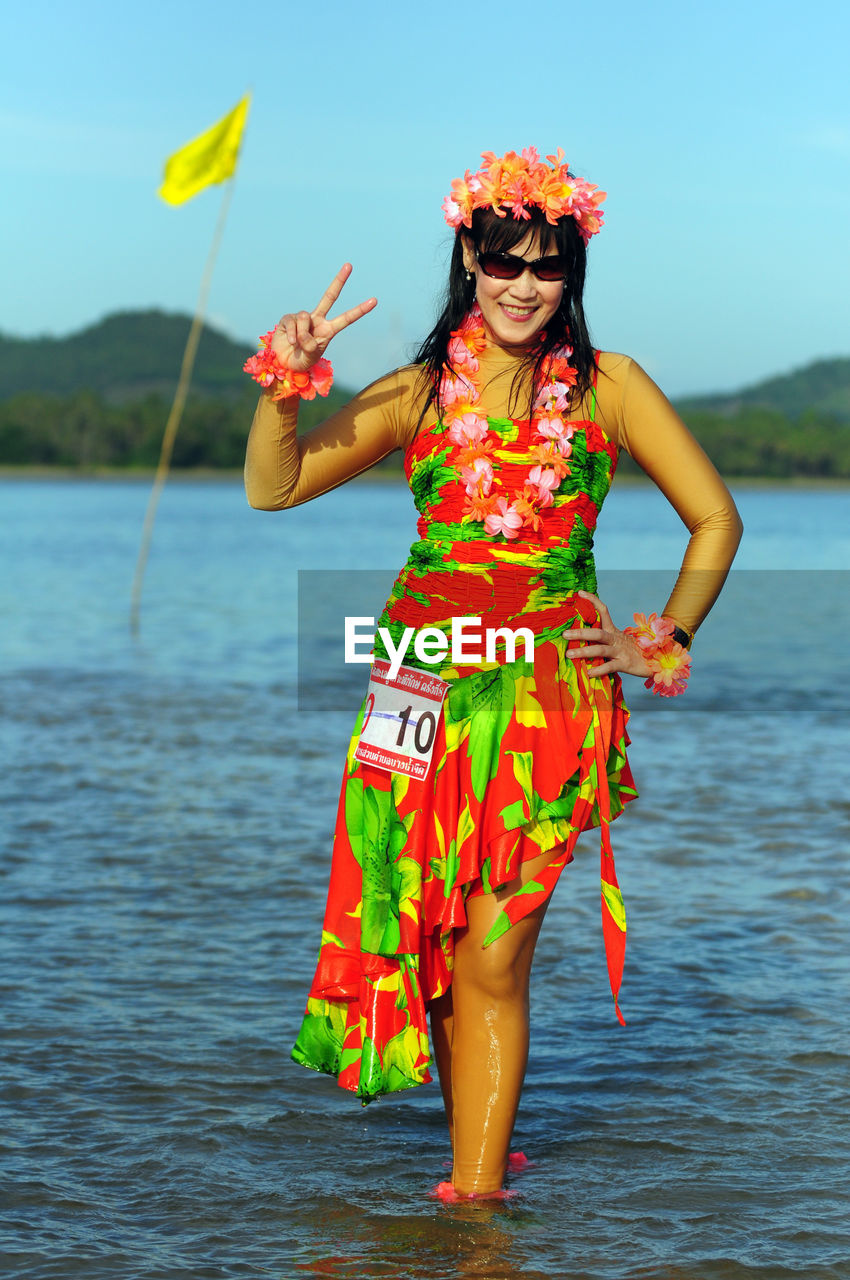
column 755, row 441
column 112, row 383
column 85, row 431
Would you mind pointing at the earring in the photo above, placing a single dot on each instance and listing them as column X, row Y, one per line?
column 468, row 276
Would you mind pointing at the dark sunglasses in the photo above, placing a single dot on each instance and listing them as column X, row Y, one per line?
column 507, row 266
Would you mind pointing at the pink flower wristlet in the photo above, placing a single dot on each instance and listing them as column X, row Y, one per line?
column 669, row 660
column 266, row 368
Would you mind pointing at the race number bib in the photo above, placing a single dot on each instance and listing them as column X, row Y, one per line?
column 400, row 720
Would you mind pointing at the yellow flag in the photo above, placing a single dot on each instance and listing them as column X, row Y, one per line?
column 209, row 158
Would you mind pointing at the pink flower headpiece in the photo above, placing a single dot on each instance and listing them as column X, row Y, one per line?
column 517, row 181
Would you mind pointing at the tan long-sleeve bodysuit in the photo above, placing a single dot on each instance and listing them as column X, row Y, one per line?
column 284, row 471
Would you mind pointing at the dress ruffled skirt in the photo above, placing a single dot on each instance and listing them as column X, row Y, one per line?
column 527, row 755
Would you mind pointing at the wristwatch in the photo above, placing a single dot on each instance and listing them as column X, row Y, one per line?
column 682, row 637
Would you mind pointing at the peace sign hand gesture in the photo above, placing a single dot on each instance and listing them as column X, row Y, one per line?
column 300, row 339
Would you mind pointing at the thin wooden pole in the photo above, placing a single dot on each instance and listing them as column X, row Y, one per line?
column 170, row 433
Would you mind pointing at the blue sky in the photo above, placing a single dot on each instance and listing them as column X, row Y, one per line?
column 721, row 133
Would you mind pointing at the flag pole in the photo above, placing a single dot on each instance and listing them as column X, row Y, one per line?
column 170, row 433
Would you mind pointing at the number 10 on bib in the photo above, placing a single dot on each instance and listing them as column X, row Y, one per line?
column 400, row 719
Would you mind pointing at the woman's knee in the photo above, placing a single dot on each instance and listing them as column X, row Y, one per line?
column 492, row 980
column 501, row 971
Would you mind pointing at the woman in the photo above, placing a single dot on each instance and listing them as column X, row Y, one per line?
column 510, row 425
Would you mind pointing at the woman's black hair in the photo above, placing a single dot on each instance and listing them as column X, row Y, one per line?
column 492, row 234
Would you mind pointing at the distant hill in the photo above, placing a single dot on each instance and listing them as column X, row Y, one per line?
column 822, row 388
column 134, row 354
column 124, row 357
column 100, row 397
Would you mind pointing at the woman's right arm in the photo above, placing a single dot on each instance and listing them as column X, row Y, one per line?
column 282, row 470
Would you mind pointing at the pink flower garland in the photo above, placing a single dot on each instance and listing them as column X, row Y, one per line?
column 670, row 661
column 513, row 182
column 504, row 511
column 266, row 368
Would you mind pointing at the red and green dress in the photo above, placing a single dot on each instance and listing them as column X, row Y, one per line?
column 527, row 755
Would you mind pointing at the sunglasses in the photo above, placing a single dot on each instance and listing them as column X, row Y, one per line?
column 507, row 266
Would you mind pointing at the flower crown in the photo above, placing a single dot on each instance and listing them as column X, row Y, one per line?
column 521, row 180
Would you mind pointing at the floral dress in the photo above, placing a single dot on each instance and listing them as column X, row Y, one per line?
column 527, row 755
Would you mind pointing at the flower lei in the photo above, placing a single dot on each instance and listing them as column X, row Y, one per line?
column 505, row 511
column 266, row 368
column 669, row 660
column 516, row 181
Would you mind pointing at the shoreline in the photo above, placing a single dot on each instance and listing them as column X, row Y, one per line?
column 212, row 475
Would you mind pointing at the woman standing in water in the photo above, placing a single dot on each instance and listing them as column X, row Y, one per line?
column 447, row 849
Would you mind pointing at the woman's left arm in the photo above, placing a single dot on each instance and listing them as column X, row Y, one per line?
column 637, row 416
column 641, row 419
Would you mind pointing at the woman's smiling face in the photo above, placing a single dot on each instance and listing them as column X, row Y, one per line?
column 514, row 311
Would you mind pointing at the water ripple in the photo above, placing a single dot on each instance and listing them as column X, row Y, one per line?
column 167, row 815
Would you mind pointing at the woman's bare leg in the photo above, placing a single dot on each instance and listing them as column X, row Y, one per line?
column 489, row 1034
column 442, row 1028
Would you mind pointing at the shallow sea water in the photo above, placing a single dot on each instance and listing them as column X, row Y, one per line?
column 166, row 819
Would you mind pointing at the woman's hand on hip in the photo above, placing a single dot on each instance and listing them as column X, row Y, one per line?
column 618, row 651
column 301, row 337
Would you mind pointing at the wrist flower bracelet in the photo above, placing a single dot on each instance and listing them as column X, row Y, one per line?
column 670, row 661
column 265, row 367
